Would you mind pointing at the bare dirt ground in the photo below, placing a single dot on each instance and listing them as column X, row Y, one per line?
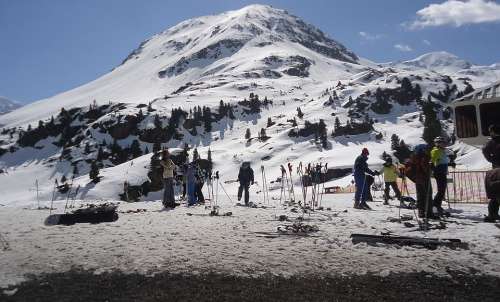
column 78, row 285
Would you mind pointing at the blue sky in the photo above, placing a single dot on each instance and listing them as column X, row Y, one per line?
column 50, row 46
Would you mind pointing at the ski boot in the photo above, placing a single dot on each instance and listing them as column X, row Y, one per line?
column 491, row 219
column 364, row 206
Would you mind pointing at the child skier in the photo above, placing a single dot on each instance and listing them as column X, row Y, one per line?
column 391, row 175
column 440, row 162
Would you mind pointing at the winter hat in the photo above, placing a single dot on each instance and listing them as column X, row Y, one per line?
column 420, row 149
column 365, row 151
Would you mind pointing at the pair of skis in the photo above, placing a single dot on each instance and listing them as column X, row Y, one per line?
column 316, row 174
column 287, row 183
column 265, row 189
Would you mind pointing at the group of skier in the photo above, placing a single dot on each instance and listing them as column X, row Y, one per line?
column 423, row 164
column 191, row 177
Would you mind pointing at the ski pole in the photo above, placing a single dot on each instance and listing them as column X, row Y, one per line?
column 37, row 197
column 226, row 193
column 69, row 192
column 53, row 197
column 217, row 188
column 290, row 168
column 263, row 183
column 323, row 184
column 266, row 188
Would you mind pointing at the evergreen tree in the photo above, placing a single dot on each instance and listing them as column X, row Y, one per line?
column 394, row 142
column 209, row 156
column 185, row 153
column 100, row 154
column 406, row 84
column 269, row 122
column 157, row 122
column 146, row 150
column 432, row 126
column 248, row 135
column 86, row 150
column 299, row 113
column 75, row 170
column 263, row 133
column 94, row 172
column 156, row 147
column 135, row 149
column 403, row 152
column 63, row 179
column 336, row 124
column 207, row 119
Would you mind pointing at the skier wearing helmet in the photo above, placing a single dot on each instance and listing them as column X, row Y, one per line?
column 391, row 174
column 440, row 162
column 360, row 173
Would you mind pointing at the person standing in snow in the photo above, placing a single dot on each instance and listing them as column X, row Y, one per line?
column 361, row 171
column 168, row 179
column 491, row 152
column 200, row 181
column 245, row 178
column 191, row 183
column 391, row 173
column 418, row 170
column 440, row 162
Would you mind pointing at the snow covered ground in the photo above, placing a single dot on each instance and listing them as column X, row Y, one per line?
column 159, row 240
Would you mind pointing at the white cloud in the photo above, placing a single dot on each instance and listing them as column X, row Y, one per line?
column 426, row 42
column 403, row 47
column 457, row 13
column 368, row 36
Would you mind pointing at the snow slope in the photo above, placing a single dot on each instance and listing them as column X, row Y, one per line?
column 218, row 52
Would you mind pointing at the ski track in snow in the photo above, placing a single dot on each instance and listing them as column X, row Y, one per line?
column 160, row 240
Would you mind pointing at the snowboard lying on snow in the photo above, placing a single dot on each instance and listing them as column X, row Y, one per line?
column 90, row 214
column 430, row 243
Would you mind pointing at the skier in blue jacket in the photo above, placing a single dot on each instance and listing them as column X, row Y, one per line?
column 360, row 171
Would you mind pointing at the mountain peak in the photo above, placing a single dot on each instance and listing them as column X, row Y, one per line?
column 439, row 61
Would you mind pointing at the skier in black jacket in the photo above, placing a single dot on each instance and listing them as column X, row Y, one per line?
column 491, row 152
column 361, row 172
column 245, row 177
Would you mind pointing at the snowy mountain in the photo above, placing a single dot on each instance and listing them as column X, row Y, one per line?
column 7, row 105
column 250, row 46
column 206, row 82
column 441, row 61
